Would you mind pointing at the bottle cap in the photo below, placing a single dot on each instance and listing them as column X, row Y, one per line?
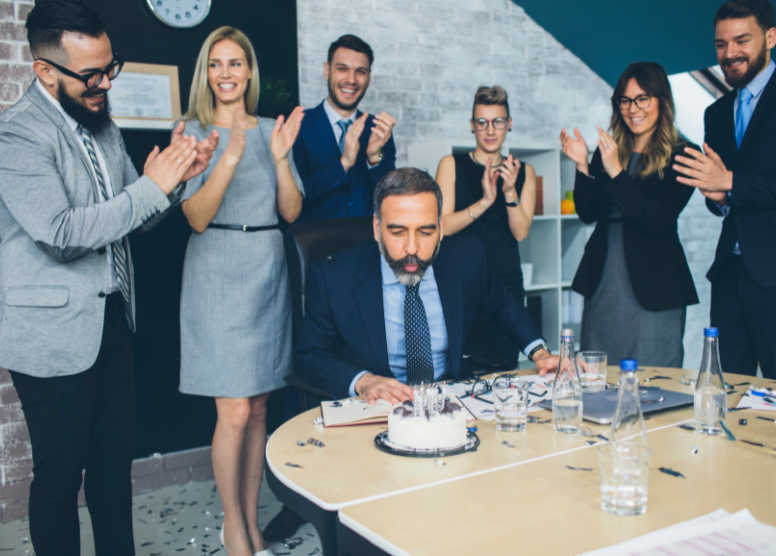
column 567, row 333
column 711, row 332
column 629, row 365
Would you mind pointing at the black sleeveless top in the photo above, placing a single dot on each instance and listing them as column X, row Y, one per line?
column 492, row 228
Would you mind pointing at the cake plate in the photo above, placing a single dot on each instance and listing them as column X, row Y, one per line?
column 382, row 442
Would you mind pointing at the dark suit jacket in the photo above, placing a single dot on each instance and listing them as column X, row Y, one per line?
column 344, row 327
column 330, row 192
column 654, row 256
column 752, row 218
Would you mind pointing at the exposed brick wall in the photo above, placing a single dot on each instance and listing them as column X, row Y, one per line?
column 15, row 60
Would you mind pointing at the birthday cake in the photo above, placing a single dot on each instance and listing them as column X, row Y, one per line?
column 431, row 422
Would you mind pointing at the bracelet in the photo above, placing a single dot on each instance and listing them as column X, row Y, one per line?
column 469, row 210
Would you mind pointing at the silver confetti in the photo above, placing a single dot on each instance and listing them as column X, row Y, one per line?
column 694, row 450
column 318, row 421
column 439, row 462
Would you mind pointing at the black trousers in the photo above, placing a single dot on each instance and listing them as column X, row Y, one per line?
column 84, row 421
column 745, row 314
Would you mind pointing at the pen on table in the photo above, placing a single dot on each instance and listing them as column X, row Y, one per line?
column 760, row 444
column 766, row 419
column 727, row 431
column 669, row 471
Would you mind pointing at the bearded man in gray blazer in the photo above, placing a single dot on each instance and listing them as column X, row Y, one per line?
column 69, row 195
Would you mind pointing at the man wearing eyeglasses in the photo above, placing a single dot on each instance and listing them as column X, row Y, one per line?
column 69, row 195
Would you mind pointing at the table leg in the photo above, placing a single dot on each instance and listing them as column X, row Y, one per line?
column 350, row 543
column 324, row 521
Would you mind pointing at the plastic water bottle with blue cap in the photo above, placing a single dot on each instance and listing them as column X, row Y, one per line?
column 710, row 393
column 567, row 390
column 628, row 421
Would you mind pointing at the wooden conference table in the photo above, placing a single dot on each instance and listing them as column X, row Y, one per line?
column 396, row 505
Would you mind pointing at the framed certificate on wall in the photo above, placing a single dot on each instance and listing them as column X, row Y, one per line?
column 145, row 96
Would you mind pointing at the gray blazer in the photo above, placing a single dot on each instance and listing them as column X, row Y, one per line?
column 53, row 230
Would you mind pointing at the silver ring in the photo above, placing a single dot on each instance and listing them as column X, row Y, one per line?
column 606, row 146
column 179, row 161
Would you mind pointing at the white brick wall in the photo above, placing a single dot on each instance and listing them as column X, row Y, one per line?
column 430, row 57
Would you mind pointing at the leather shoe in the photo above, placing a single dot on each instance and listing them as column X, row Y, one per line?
column 282, row 526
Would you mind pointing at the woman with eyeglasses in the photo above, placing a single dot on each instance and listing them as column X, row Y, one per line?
column 634, row 273
column 490, row 197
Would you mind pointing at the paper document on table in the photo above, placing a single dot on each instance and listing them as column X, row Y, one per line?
column 719, row 533
column 759, row 399
column 482, row 406
column 344, row 413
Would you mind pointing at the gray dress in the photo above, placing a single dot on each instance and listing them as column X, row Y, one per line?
column 613, row 321
column 236, row 337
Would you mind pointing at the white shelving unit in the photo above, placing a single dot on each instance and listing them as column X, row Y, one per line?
column 556, row 242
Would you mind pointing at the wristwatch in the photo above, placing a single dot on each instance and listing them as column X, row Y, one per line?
column 543, row 346
column 513, row 203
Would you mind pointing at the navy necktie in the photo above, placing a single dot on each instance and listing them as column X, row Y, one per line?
column 344, row 126
column 420, row 366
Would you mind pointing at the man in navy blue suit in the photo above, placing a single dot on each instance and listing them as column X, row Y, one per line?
column 738, row 176
column 384, row 315
column 340, row 152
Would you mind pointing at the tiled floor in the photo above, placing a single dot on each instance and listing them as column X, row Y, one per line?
column 175, row 520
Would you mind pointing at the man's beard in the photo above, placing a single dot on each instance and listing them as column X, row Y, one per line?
column 397, row 265
column 755, row 66
column 91, row 120
column 341, row 105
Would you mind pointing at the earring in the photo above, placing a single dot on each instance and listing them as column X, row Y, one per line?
column 472, row 131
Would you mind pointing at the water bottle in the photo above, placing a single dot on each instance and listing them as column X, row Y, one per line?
column 567, row 390
column 628, row 423
column 710, row 393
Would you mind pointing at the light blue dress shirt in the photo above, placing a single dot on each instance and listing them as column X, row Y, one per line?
column 393, row 308
column 334, row 118
column 756, row 87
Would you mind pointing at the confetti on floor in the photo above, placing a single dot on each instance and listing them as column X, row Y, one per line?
column 172, row 521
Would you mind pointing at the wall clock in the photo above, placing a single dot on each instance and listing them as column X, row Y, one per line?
column 180, row 13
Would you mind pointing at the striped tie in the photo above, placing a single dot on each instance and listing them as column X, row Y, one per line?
column 119, row 253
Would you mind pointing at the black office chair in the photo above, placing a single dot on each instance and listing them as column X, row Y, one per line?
column 304, row 244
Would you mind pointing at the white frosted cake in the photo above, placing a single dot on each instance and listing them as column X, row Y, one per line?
column 427, row 427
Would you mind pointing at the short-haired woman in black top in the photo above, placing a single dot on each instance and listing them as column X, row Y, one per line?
column 490, row 197
column 634, row 273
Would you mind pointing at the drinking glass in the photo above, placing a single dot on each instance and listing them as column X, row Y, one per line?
column 624, row 470
column 510, row 402
column 592, row 370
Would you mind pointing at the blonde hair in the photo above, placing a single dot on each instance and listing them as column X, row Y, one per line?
column 202, row 100
column 490, row 96
column 652, row 78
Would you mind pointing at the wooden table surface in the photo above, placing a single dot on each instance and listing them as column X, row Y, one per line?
column 544, row 508
column 351, row 470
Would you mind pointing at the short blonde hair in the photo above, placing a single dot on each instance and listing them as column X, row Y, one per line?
column 202, row 100
column 495, row 95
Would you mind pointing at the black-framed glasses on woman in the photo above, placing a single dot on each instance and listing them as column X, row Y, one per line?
column 93, row 78
column 641, row 101
column 481, row 124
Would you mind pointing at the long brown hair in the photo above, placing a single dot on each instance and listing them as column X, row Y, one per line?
column 202, row 101
column 652, row 78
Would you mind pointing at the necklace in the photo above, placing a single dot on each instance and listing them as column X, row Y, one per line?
column 500, row 160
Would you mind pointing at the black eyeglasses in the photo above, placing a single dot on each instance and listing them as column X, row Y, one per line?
column 641, row 101
column 480, row 388
column 481, row 124
column 94, row 78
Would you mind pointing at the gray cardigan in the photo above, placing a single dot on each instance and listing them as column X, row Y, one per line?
column 53, row 268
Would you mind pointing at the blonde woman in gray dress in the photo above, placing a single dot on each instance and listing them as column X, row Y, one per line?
column 236, row 343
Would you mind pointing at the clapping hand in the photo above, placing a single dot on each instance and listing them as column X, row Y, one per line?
column 381, row 132
column 284, row 134
column 236, row 147
column 167, row 168
column 509, row 169
column 575, row 149
column 707, row 172
column 352, row 145
column 609, row 155
column 204, row 150
column 489, row 180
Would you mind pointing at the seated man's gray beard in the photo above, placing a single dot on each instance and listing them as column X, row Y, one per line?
column 397, row 265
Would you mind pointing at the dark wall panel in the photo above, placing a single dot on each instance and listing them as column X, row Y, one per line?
column 167, row 420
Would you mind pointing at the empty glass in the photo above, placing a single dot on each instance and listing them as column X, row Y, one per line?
column 624, row 472
column 592, row 370
column 510, row 402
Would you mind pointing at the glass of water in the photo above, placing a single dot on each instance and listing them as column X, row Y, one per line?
column 592, row 370
column 510, row 402
column 624, row 470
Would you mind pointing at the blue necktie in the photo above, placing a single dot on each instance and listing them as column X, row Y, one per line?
column 420, row 366
column 744, row 114
column 119, row 253
column 344, row 126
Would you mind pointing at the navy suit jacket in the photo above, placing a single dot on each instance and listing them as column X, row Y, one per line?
column 752, row 218
column 330, row 192
column 344, row 326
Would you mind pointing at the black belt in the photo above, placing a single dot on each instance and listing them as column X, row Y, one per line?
column 243, row 228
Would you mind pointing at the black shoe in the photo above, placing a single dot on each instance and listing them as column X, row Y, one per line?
column 282, row 526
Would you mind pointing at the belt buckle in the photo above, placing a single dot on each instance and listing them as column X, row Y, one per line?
column 245, row 228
